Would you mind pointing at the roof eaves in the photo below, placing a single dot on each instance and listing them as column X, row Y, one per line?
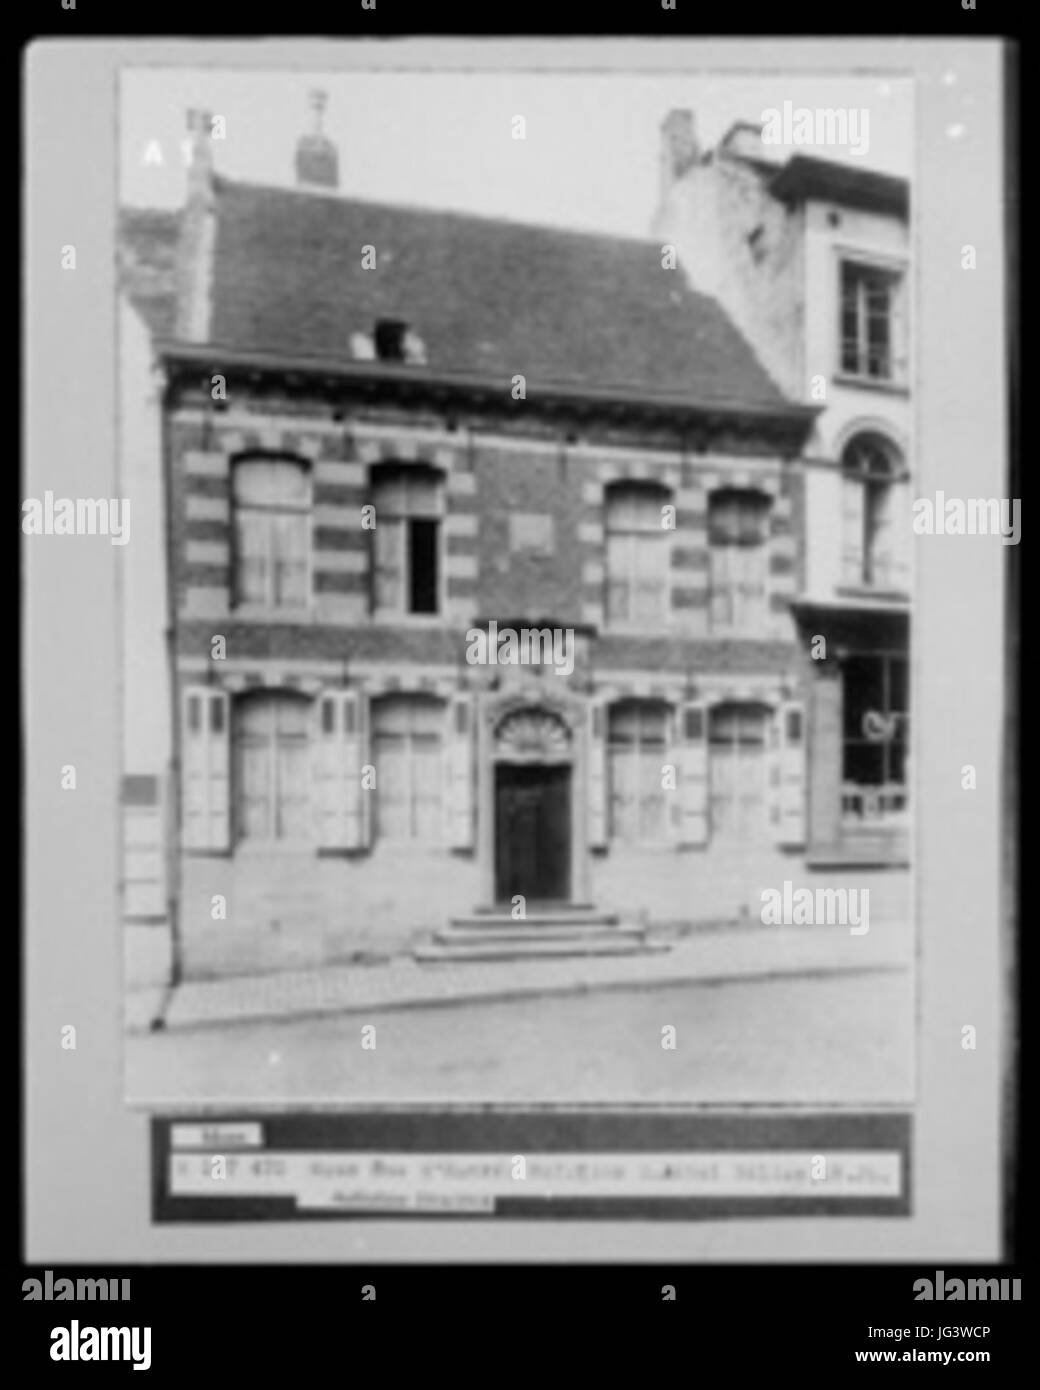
column 386, row 373
column 806, row 176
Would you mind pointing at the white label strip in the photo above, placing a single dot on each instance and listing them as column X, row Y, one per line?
column 216, row 1137
column 333, row 1179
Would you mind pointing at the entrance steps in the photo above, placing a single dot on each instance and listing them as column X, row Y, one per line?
column 489, row 934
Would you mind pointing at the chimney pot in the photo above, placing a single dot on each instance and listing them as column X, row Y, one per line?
column 679, row 145
column 317, row 160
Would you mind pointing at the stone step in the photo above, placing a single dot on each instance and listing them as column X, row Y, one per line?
column 492, row 919
column 587, row 932
column 617, row 945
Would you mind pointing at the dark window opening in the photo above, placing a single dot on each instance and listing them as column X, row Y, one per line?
column 423, row 594
column 868, row 321
column 328, row 716
column 389, row 340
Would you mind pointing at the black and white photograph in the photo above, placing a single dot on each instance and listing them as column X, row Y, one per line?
column 518, row 665
column 516, row 699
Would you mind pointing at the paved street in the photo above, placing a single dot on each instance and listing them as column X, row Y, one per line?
column 808, row 1039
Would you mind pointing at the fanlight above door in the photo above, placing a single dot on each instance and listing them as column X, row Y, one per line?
column 532, row 735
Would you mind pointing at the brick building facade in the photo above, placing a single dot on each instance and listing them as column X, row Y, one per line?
column 383, row 429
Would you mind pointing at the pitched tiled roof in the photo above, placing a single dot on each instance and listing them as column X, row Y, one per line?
column 146, row 243
column 488, row 298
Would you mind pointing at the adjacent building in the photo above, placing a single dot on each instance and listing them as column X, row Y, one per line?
column 812, row 259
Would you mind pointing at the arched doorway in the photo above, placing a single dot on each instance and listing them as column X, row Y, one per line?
column 532, row 754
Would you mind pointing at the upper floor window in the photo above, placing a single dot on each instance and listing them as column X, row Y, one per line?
column 272, row 500
column 738, row 532
column 637, row 553
column 873, row 322
column 409, row 505
column 871, row 484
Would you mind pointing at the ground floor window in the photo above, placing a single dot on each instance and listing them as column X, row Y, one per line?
column 407, row 752
column 737, row 734
column 272, row 759
column 876, row 702
column 637, row 744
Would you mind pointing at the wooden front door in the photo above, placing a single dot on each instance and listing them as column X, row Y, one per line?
column 532, row 832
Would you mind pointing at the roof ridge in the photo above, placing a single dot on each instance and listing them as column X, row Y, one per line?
column 222, row 183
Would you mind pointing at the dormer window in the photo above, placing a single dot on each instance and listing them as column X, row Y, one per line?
column 396, row 341
column 389, row 340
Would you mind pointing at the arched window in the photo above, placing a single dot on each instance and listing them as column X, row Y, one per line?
column 738, row 534
column 272, row 500
column 871, row 484
column 737, row 735
column 407, row 745
column 406, row 565
column 638, row 733
column 638, row 553
column 272, row 762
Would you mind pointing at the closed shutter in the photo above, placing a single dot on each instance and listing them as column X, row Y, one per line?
column 693, row 774
column 597, row 779
column 673, row 798
column 204, row 762
column 330, row 774
column 358, row 811
column 900, row 330
column 458, row 773
column 852, row 491
column 900, row 531
column 788, row 814
column 343, row 804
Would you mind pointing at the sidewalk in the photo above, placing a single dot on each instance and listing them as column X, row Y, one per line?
column 734, row 952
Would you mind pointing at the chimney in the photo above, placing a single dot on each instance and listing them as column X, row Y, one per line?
column 200, row 170
column 194, row 264
column 317, row 163
column 679, row 147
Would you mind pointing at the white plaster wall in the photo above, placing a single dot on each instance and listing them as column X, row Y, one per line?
column 849, row 407
column 142, row 573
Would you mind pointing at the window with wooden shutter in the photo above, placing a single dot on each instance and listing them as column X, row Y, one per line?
column 408, row 755
column 272, row 523
column 636, row 752
column 638, row 554
column 407, row 540
column 738, row 538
